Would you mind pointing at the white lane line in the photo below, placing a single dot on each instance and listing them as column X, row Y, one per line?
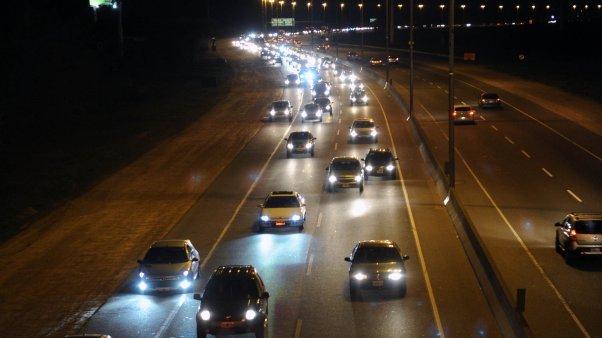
column 298, row 329
column 446, row 92
column 425, row 274
column 574, row 196
column 338, row 131
column 431, row 83
column 509, row 139
column 309, row 264
column 494, row 127
column 340, row 121
column 547, row 172
column 526, row 154
column 426, row 110
column 543, row 124
column 438, row 86
column 167, row 322
column 319, row 221
column 482, row 117
column 336, row 145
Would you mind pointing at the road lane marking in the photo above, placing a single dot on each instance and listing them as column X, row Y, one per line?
column 431, row 83
column 543, row 124
column 336, row 145
column 574, row 196
column 547, row 172
column 426, row 110
column 509, row 139
column 309, row 264
column 298, row 328
column 172, row 314
column 446, row 92
column 340, row 121
column 526, row 154
column 425, row 274
column 338, row 131
column 482, row 117
column 494, row 127
column 319, row 221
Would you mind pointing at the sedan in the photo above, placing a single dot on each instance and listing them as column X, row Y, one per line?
column 464, row 114
column 363, row 128
column 282, row 209
column 300, row 142
column 490, row 100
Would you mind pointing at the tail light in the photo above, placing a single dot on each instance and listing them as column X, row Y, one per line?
column 573, row 234
column 472, row 112
column 454, row 113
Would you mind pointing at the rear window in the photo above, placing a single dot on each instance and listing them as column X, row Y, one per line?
column 462, row 108
column 589, row 227
column 376, row 254
column 363, row 124
column 292, row 76
column 282, row 202
column 346, row 165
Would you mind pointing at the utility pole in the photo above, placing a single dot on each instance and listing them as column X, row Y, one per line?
column 387, row 37
column 361, row 6
column 451, row 167
column 411, row 58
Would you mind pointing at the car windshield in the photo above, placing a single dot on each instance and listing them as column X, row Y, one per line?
column 231, row 288
column 462, row 108
column 299, row 136
column 292, row 76
column 311, row 107
column 280, row 104
column 282, row 202
column 589, row 227
column 166, row 255
column 363, row 124
column 359, row 92
column 323, row 101
column 346, row 165
column 490, row 96
column 378, row 156
column 376, row 254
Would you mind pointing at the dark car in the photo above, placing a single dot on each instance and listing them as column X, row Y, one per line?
column 380, row 162
column 325, row 104
column 490, row 100
column 292, row 80
column 282, row 108
column 300, row 142
column 352, row 56
column 579, row 234
column 358, row 96
column 376, row 264
column 376, row 61
column 345, row 172
column 321, row 89
column 235, row 301
column 393, row 60
column 311, row 112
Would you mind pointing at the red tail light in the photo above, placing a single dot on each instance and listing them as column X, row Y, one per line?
column 471, row 112
column 573, row 234
column 454, row 113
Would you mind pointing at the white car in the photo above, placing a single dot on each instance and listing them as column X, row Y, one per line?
column 363, row 128
column 282, row 209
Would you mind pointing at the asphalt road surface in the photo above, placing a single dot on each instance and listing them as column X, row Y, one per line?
column 304, row 272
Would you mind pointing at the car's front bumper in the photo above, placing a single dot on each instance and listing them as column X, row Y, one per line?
column 281, row 223
column 346, row 184
column 377, row 283
column 163, row 284
column 215, row 327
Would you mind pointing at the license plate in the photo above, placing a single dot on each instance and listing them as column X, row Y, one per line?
column 346, row 185
column 226, row 325
column 378, row 283
column 280, row 223
column 595, row 250
column 380, row 170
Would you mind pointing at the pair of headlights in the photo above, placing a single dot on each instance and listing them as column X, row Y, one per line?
column 389, row 167
column 308, row 145
column 250, row 314
column 333, row 179
column 294, row 218
column 394, row 276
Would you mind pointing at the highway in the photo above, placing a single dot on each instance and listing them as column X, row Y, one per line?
column 520, row 169
column 305, row 272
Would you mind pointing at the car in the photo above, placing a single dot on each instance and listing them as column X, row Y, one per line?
column 358, row 96
column 234, row 301
column 345, row 172
column 490, row 100
column 363, row 128
column 355, row 85
column 393, row 60
column 311, row 112
column 325, row 104
column 300, row 142
column 376, row 61
column 169, row 264
column 292, row 80
column 464, row 114
column 282, row 209
column 282, row 108
column 380, row 162
column 327, row 64
column 352, row 56
column 345, row 74
column 579, row 234
column 376, row 264
column 321, row 89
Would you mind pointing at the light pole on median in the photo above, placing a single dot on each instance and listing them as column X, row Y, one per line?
column 411, row 112
column 310, row 13
column 451, row 167
column 361, row 6
column 387, row 37
column 339, row 24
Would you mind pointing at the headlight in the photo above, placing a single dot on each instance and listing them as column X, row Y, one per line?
column 205, row 315
column 296, row 218
column 358, row 178
column 373, row 132
column 304, row 114
column 264, row 218
column 185, row 284
column 250, row 314
column 286, row 82
column 328, row 107
column 185, row 273
column 390, row 167
column 353, row 133
column 289, row 146
column 395, row 276
column 332, row 179
column 313, row 92
column 142, row 286
column 297, row 81
column 365, row 98
column 286, row 111
column 272, row 112
column 342, row 77
column 319, row 112
column 327, row 92
column 369, row 168
column 353, row 99
column 308, row 145
column 360, row 276
column 141, row 274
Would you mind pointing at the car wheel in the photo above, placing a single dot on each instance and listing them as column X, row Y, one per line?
column 353, row 292
column 200, row 333
column 260, row 332
column 402, row 290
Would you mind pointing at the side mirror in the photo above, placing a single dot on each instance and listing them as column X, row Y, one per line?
column 347, row 259
column 405, row 257
column 194, row 259
column 265, row 295
column 557, row 224
column 197, row 296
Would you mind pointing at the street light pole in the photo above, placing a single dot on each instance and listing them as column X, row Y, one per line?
column 411, row 112
column 387, row 37
column 361, row 6
column 451, row 168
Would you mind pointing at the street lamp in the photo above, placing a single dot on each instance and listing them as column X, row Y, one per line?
column 281, row 3
column 361, row 6
column 324, row 12
column 294, row 4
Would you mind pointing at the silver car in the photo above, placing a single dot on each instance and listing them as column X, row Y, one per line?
column 345, row 172
column 579, row 234
column 168, row 264
column 376, row 264
column 363, row 129
column 282, row 108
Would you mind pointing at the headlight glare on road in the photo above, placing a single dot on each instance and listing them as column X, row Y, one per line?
column 264, row 218
column 289, row 146
column 353, row 99
column 369, row 168
column 205, row 315
column 141, row 274
column 308, row 145
column 360, row 276
column 142, row 286
column 390, row 167
column 185, row 284
column 296, row 218
column 358, row 178
column 250, row 314
column 332, row 179
column 395, row 276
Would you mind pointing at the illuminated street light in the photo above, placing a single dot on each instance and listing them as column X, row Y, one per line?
column 442, row 6
column 547, row 6
column 574, row 7
column 517, row 7
column 420, row 6
column 463, row 6
column 483, row 7
column 400, row 6
column 500, row 7
column 378, row 5
column 586, row 6
column 533, row 7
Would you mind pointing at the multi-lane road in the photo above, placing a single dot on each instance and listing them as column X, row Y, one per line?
column 305, row 272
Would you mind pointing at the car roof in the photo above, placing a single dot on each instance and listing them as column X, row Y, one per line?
column 234, row 270
column 170, row 243
column 344, row 159
column 362, row 119
column 283, row 193
column 376, row 243
column 586, row 216
column 379, row 150
column 299, row 133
